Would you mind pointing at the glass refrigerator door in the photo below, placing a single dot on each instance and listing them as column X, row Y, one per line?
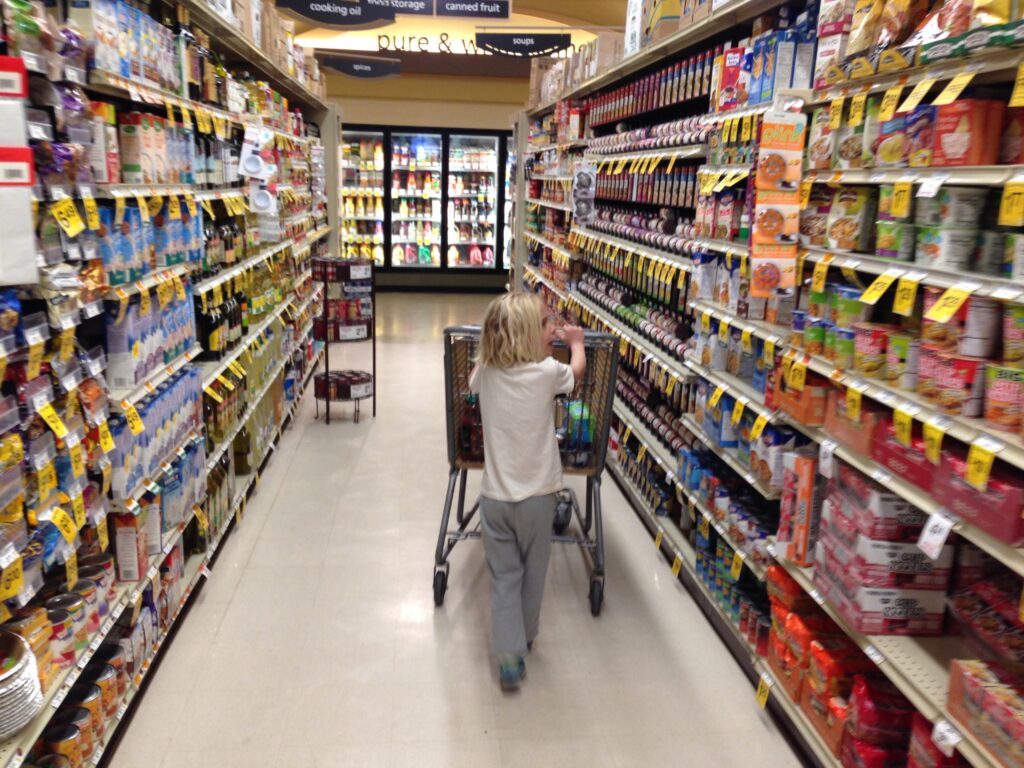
column 473, row 202
column 362, row 195
column 416, row 200
column 507, row 213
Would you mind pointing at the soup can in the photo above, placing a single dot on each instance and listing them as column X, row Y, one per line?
column 62, row 637
column 901, row 361
column 105, row 561
column 75, row 605
column 87, row 589
column 80, row 718
column 98, row 576
column 64, row 740
column 113, row 654
column 105, row 677
column 88, row 695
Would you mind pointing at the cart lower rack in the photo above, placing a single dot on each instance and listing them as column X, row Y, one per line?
column 580, row 421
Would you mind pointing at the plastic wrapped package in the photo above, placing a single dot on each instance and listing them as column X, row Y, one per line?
column 879, row 713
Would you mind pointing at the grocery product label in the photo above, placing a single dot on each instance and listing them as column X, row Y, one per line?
column 66, row 214
column 953, row 89
column 53, row 420
column 933, row 433
column 903, row 422
column 1011, row 206
column 135, row 423
column 64, row 524
column 946, row 737
column 889, row 102
column 934, row 534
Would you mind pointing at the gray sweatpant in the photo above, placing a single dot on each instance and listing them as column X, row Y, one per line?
column 517, row 543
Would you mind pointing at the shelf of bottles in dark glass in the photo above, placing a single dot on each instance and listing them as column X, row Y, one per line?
column 520, row 44
column 355, row 66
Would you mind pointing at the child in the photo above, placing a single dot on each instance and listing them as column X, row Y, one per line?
column 517, row 380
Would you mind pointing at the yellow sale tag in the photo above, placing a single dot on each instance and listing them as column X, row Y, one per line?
column 889, row 102
column 204, row 523
column 906, row 294
column 835, row 113
column 797, row 378
column 805, row 192
column 190, row 203
column 92, row 213
column 704, row 527
column 949, row 304
column 224, row 381
column 119, row 211
column 745, row 130
column 737, row 565
column 854, row 398
column 53, row 420
column 677, row 565
column 64, row 524
column 156, row 203
column 660, row 537
column 186, row 116
column 106, row 439
column 77, row 456
column 236, row 368
column 641, row 453
column 1017, row 98
column 917, row 95
column 953, row 89
column 903, row 423
column 131, row 415
column 174, row 207
column 102, row 534
column 747, row 341
column 1011, row 206
column 764, row 690
column 71, row 569
column 67, row 344
column 759, row 424
column 820, row 275
column 857, row 110
column 716, row 396
column 933, row 434
column 140, row 200
column 12, row 581
column 66, row 214
column 78, row 508
column 626, row 435
column 737, row 412
column 979, row 465
column 723, row 331
column 877, row 289
column 179, row 288
column 705, row 322
column 35, row 359
column 769, row 351
column 144, row 300
column 47, row 480
column 213, row 394
column 902, row 192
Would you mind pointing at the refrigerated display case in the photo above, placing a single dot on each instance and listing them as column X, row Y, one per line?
column 508, row 208
column 362, row 193
column 416, row 220
column 473, row 166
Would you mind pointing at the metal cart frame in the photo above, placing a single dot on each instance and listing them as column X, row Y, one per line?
column 581, row 423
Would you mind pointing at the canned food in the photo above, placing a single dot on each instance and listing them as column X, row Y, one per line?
column 52, row 761
column 62, row 637
column 113, row 654
column 105, row 677
column 80, row 718
column 88, row 696
column 901, row 361
column 87, row 589
column 1004, row 397
column 97, row 576
column 74, row 604
column 845, row 345
column 103, row 560
column 64, row 740
column 871, row 341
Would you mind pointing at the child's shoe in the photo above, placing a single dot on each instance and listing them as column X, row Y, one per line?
column 511, row 673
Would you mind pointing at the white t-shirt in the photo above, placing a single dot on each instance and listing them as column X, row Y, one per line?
column 520, row 451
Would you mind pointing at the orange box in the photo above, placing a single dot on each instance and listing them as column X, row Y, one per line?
column 967, row 132
column 828, row 716
column 853, row 434
column 788, row 672
column 807, row 406
column 804, row 503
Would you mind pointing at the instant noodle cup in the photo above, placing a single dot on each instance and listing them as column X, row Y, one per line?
column 952, row 207
column 1004, row 397
column 871, row 341
column 901, row 361
column 1013, row 336
column 958, row 384
column 895, row 240
column 980, row 333
column 946, row 248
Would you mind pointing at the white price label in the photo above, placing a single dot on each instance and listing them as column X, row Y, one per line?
column 930, row 186
column 874, row 654
column 826, row 465
column 817, row 597
column 934, row 534
column 946, row 737
column 350, row 332
column 360, row 272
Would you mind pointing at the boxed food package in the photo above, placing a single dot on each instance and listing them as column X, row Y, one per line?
column 767, row 454
column 988, row 614
column 827, row 713
column 814, row 218
column 920, row 135
column 851, row 220
column 872, row 510
column 879, row 714
column 831, row 51
column 800, row 510
column 784, row 589
column 853, row 434
column 855, row 145
column 788, row 671
column 734, row 82
column 821, row 141
column 996, row 510
column 834, row 660
column 808, row 405
column 967, row 132
column 883, row 611
column 910, row 463
column 892, row 142
column 987, row 698
column 1011, row 145
column 130, row 546
column 834, row 17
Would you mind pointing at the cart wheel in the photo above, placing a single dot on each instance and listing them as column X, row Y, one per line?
column 563, row 516
column 440, row 586
column 596, row 596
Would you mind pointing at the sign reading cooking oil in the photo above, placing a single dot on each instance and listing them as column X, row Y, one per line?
column 358, row 13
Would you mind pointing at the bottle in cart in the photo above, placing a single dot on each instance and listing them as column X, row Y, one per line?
column 472, row 430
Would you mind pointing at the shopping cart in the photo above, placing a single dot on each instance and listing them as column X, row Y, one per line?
column 580, row 422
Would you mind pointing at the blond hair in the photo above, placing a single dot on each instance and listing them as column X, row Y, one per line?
column 512, row 332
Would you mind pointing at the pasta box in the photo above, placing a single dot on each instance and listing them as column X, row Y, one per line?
column 967, row 132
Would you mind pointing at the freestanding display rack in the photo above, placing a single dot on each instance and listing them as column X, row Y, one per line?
column 580, row 422
column 348, row 315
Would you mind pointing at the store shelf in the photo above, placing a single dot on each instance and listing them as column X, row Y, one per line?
column 561, row 249
column 551, row 177
column 689, row 152
column 156, row 378
column 212, row 369
column 417, row 168
column 489, row 171
column 673, row 259
column 375, row 219
column 728, row 455
column 977, row 175
column 359, row 192
column 223, row 277
column 482, row 197
column 113, row 191
column 149, row 282
column 534, row 276
column 558, row 146
column 735, row 387
column 918, row 666
column 1004, row 289
column 549, row 204
column 130, row 501
column 776, row 333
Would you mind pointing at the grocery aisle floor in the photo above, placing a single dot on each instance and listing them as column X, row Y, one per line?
column 316, row 642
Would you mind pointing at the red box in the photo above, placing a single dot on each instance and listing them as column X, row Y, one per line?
column 967, row 132
column 909, row 463
column 873, row 510
column 828, row 715
column 853, row 434
column 997, row 510
column 788, row 672
column 985, row 699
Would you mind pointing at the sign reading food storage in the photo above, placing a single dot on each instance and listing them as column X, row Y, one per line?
column 477, row 9
column 522, row 44
column 355, row 66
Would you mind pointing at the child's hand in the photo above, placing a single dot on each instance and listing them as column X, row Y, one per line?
column 571, row 335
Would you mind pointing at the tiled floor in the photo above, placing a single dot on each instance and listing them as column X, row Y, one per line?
column 316, row 641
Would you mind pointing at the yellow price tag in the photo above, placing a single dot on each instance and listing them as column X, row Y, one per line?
column 224, row 381
column 67, row 344
column 747, row 341
column 641, row 453
column 797, row 378
column 204, row 523
column 144, row 300
column 764, row 690
column 917, row 95
column 118, row 210
column 659, row 538
column 53, row 420
column 933, row 434
column 12, row 581
column 723, row 331
column 190, row 203
column 213, row 394
column 737, row 565
column 174, row 207
column 854, row 398
column 66, row 214
column 953, row 89
column 949, row 303
column 677, row 565
column 835, row 113
column 704, row 527
column 737, row 412
column 47, row 480
column 64, row 524
column 805, row 192
column 889, row 102
column 186, row 116
column 236, row 368
column 820, row 275
column 877, row 289
column 135, row 423
column 769, row 351
column 670, row 385
column 626, row 435
column 716, row 396
column 980, row 457
column 745, row 129
column 1011, row 206
column 705, row 322
column 156, row 203
column 902, row 193
column 77, row 456
column 856, row 117
column 71, row 569
column 103, row 534
column 106, row 439
column 35, row 359
column 78, row 508
column 906, row 294
column 140, row 200
column 903, row 422
column 759, row 426
column 92, row 212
